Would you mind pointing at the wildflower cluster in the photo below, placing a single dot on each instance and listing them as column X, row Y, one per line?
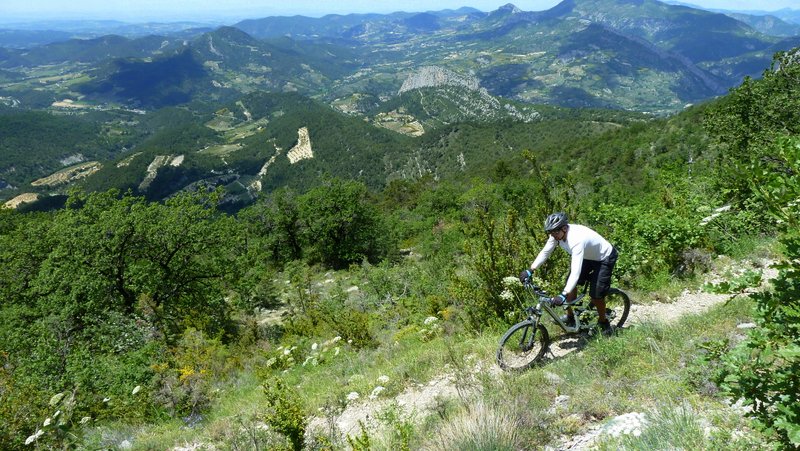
column 322, row 353
column 382, row 381
column 627, row 424
column 432, row 328
column 376, row 392
column 511, row 285
column 282, row 358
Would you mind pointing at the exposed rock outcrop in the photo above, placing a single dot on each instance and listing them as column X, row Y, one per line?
column 434, row 76
column 301, row 151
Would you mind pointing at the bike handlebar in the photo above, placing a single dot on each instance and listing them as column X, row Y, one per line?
column 546, row 298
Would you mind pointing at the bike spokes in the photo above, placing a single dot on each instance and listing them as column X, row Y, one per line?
column 522, row 345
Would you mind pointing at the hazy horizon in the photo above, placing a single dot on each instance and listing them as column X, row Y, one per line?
column 15, row 11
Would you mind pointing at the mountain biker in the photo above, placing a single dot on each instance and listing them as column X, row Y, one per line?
column 593, row 259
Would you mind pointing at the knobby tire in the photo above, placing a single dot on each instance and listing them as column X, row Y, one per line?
column 522, row 345
column 619, row 301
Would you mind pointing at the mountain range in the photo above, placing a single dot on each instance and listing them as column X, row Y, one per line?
column 376, row 94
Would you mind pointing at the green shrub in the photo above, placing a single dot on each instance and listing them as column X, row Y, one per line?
column 285, row 412
column 495, row 248
column 763, row 369
column 185, row 380
column 649, row 241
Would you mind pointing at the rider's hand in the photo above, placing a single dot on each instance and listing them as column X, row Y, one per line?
column 558, row 300
column 525, row 276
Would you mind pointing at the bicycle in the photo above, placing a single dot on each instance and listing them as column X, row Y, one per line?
column 526, row 342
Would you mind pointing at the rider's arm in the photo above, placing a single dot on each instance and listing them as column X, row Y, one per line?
column 574, row 269
column 548, row 249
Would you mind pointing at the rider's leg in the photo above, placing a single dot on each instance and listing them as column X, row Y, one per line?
column 600, row 305
column 602, row 283
column 571, row 297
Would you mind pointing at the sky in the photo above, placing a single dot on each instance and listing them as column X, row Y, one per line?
column 228, row 10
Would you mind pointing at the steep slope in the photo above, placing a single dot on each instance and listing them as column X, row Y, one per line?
column 169, row 80
column 242, row 62
column 435, row 96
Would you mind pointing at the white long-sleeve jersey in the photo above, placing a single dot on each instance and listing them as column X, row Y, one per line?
column 581, row 243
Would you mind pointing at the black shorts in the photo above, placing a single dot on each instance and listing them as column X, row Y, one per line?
column 598, row 273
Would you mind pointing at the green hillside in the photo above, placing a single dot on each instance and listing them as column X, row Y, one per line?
column 32, row 143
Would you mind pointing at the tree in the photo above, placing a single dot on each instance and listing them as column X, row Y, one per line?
column 169, row 262
column 274, row 226
column 341, row 226
column 747, row 122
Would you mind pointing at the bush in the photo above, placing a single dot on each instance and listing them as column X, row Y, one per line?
column 649, row 241
column 285, row 412
column 185, row 381
column 763, row 369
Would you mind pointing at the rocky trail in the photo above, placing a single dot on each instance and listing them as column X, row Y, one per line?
column 420, row 400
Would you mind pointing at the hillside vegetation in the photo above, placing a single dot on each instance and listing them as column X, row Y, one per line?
column 127, row 323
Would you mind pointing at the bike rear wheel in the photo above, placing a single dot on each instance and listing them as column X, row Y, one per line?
column 522, row 345
column 618, row 306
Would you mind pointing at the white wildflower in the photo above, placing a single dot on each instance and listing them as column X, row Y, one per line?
column 47, row 422
column 352, row 396
column 287, row 351
column 85, row 420
column 136, row 389
column 507, row 295
column 376, row 392
column 511, row 281
column 430, row 320
column 314, row 347
column 384, row 379
column 34, row 437
column 56, row 398
column 106, row 399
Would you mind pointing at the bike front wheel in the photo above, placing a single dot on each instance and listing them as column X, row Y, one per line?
column 522, row 345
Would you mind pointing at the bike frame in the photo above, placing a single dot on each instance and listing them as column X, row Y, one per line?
column 543, row 306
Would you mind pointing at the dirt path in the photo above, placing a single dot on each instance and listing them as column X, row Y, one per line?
column 420, row 399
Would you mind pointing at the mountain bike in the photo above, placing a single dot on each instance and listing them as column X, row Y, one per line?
column 526, row 342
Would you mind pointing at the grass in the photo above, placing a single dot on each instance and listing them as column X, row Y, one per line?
column 654, row 369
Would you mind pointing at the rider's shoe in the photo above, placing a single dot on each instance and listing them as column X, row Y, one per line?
column 568, row 320
column 605, row 327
